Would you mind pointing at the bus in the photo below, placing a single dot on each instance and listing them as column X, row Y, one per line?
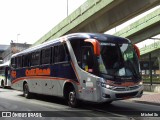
column 5, row 75
column 93, row 67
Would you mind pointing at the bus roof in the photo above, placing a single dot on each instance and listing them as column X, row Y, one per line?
column 100, row 37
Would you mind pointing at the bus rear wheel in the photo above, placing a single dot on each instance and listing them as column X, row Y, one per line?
column 2, row 84
column 26, row 92
column 72, row 100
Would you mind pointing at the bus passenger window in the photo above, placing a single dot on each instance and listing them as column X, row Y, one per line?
column 35, row 58
column 87, row 59
column 60, row 54
column 76, row 45
column 55, row 56
column 26, row 60
column 46, row 56
column 67, row 55
column 19, row 62
column 13, row 63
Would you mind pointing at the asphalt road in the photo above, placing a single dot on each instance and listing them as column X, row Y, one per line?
column 13, row 101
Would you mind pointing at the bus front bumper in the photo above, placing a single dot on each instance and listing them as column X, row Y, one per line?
column 120, row 93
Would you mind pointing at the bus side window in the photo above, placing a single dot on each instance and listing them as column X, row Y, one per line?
column 23, row 60
column 55, row 52
column 26, row 60
column 76, row 45
column 19, row 62
column 13, row 63
column 87, row 59
column 60, row 54
column 35, row 58
column 67, row 55
column 46, row 56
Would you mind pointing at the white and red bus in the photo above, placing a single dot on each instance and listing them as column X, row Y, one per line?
column 5, row 80
column 91, row 67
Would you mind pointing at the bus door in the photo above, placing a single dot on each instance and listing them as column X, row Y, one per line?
column 88, row 81
column 87, row 59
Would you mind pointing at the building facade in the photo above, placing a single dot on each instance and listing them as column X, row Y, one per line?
column 12, row 49
column 150, row 66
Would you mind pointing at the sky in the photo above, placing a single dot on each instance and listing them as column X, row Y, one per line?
column 28, row 20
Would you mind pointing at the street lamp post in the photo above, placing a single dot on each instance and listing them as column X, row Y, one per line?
column 17, row 37
column 67, row 8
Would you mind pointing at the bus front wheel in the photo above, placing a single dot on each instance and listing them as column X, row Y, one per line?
column 106, row 103
column 72, row 100
column 26, row 92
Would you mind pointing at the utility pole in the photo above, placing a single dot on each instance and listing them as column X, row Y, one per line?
column 17, row 37
column 67, row 8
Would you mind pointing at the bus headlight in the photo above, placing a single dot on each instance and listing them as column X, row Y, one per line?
column 109, row 87
column 104, row 85
column 141, row 83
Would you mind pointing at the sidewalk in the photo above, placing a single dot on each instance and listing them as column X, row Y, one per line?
column 148, row 98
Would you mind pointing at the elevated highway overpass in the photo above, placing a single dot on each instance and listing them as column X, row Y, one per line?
column 149, row 48
column 99, row 16
column 142, row 29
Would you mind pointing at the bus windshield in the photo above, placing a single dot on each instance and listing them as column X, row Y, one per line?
column 118, row 60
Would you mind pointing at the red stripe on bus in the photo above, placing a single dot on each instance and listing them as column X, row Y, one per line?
column 125, row 84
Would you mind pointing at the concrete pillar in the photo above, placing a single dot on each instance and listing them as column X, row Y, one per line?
column 150, row 70
column 159, row 64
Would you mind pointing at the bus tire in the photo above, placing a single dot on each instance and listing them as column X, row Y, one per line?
column 26, row 92
column 72, row 100
column 109, row 102
column 2, row 84
column 106, row 103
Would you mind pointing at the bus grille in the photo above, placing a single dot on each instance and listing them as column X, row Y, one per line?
column 122, row 95
column 125, row 88
column 133, row 87
column 120, row 89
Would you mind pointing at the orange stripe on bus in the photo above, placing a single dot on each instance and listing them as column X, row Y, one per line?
column 42, row 78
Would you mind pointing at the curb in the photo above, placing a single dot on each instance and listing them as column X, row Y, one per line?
column 147, row 102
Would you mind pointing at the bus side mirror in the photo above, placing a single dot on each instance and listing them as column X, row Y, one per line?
column 137, row 51
column 96, row 46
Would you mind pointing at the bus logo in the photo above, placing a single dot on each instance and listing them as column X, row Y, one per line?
column 13, row 74
column 37, row 71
